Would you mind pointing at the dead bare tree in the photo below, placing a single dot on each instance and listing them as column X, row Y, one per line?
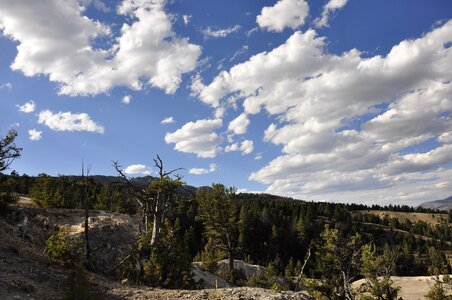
column 85, row 198
column 155, row 199
column 308, row 255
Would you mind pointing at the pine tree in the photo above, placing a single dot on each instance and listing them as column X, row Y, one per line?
column 377, row 269
column 217, row 211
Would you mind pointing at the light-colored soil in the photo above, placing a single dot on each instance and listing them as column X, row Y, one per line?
column 414, row 217
column 26, row 272
column 411, row 288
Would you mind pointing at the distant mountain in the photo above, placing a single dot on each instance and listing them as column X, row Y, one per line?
column 104, row 179
column 445, row 204
column 139, row 181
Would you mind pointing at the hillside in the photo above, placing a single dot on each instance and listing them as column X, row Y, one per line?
column 26, row 272
column 414, row 217
column 444, row 204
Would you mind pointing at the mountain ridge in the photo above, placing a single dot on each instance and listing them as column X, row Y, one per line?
column 443, row 204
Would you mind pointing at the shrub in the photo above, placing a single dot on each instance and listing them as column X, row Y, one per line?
column 211, row 255
column 61, row 248
column 79, row 286
column 167, row 264
column 439, row 289
column 6, row 198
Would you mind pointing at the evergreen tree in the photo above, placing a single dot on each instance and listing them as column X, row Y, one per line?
column 218, row 213
column 338, row 262
column 8, row 150
column 377, row 269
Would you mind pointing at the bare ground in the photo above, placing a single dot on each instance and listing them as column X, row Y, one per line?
column 430, row 218
column 26, row 272
column 411, row 288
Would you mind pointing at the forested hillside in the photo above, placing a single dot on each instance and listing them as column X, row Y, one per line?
column 333, row 243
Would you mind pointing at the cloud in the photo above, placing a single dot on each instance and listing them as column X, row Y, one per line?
column 328, row 9
column 34, row 135
column 201, row 171
column 417, row 162
column 28, row 107
column 186, row 19
column 7, row 85
column 126, row 99
column 246, row 147
column 258, row 156
column 67, row 121
column 220, row 33
column 239, row 125
column 445, row 138
column 138, row 169
column 168, row 120
column 285, row 13
column 197, row 137
column 395, row 101
column 56, row 39
column 98, row 4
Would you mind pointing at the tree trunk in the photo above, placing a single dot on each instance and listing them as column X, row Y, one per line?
column 229, row 247
column 157, row 223
column 155, row 230
column 85, row 197
column 347, row 290
column 305, row 262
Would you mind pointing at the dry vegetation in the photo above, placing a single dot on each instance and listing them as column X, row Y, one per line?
column 432, row 219
column 26, row 272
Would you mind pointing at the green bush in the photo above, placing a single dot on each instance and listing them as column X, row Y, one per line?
column 6, row 198
column 211, row 255
column 167, row 264
column 270, row 280
column 237, row 277
column 79, row 286
column 61, row 248
column 439, row 290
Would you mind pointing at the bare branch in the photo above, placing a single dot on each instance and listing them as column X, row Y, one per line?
column 141, row 192
column 159, row 165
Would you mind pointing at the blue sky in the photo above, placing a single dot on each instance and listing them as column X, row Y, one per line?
column 334, row 100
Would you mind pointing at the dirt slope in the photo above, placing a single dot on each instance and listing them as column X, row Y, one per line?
column 432, row 219
column 412, row 288
column 27, row 273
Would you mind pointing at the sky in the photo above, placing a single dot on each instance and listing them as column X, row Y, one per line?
column 321, row 100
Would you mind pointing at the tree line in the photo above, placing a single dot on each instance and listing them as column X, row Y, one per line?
column 321, row 247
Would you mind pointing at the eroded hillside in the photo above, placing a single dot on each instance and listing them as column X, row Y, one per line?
column 26, row 272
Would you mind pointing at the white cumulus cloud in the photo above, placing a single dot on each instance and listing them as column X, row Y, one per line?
column 28, row 107
column 400, row 100
column 285, row 13
column 138, row 169
column 246, row 147
column 197, row 137
column 201, row 171
column 328, row 9
column 67, row 121
column 240, row 124
column 34, row 135
column 56, row 39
